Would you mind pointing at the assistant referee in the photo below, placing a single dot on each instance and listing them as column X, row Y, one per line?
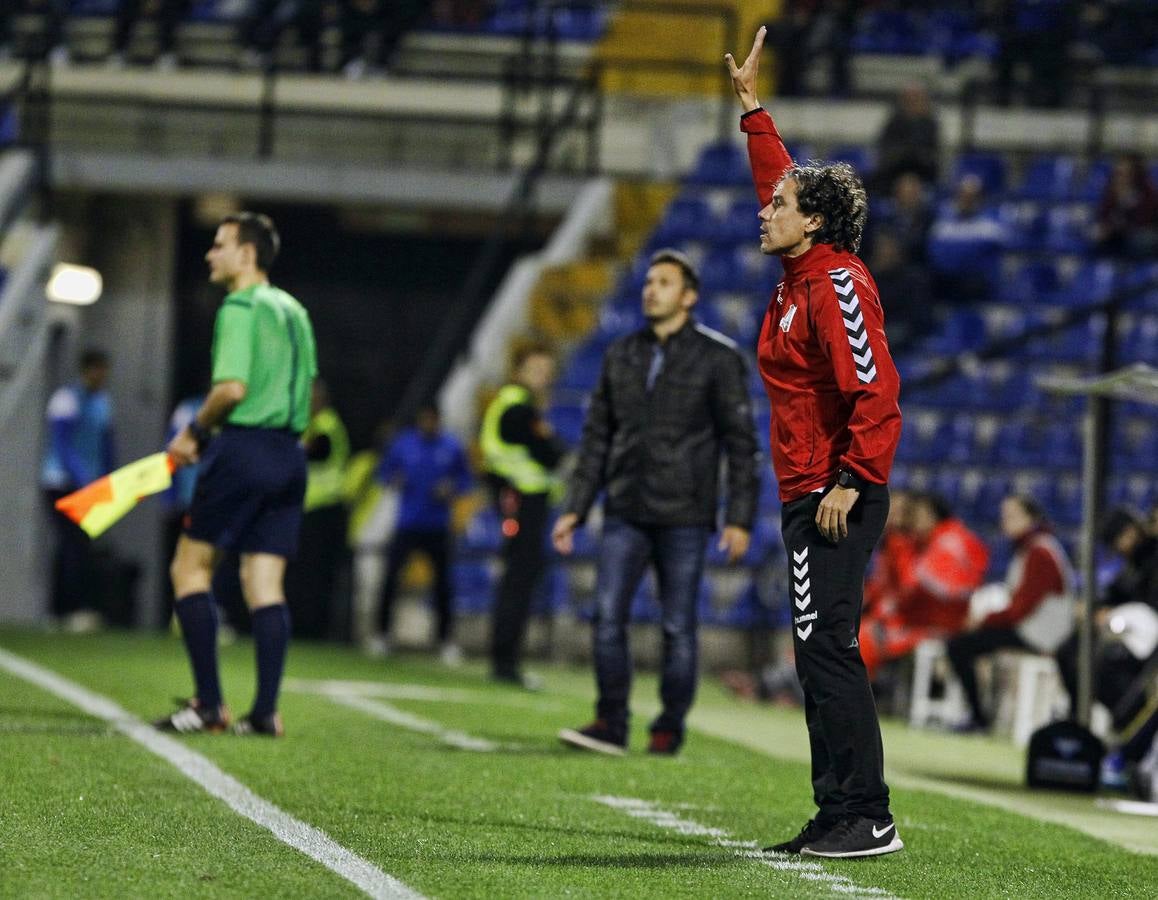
column 252, row 479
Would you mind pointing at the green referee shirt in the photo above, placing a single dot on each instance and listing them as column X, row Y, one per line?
column 263, row 338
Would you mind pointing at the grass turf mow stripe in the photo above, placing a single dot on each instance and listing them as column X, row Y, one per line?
column 297, row 834
column 809, row 871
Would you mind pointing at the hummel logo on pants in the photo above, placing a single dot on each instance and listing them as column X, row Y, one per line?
column 827, row 589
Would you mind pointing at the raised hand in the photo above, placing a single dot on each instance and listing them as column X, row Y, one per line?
column 744, row 77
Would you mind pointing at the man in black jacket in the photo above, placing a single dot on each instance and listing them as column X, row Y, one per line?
column 671, row 400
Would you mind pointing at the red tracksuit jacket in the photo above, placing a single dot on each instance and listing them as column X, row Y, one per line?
column 822, row 354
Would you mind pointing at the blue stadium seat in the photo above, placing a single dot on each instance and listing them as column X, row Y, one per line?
column 1093, row 182
column 741, row 223
column 582, row 370
column 567, row 422
column 721, row 164
column 989, row 167
column 219, row 11
column 1067, row 229
column 688, row 218
column 1065, row 505
column 1049, row 179
column 552, row 594
column 484, row 533
column 1029, row 282
column 1092, row 282
column 473, row 590
column 1023, row 223
column 863, row 159
column 93, row 8
column 1140, row 343
column 1062, row 445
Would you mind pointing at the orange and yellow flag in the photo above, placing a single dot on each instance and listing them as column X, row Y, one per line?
column 98, row 506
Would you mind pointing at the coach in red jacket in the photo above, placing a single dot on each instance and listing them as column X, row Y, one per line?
column 833, row 390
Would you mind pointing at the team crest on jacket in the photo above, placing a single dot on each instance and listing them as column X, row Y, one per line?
column 854, row 326
column 786, row 320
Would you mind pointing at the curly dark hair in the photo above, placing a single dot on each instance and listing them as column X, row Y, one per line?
column 835, row 192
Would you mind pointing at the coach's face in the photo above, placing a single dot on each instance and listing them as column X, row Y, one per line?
column 226, row 257
column 665, row 293
column 784, row 229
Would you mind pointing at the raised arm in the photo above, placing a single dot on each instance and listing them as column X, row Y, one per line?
column 766, row 151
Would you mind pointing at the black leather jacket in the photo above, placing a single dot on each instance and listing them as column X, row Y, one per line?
column 658, row 454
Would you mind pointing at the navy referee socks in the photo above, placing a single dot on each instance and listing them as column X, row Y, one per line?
column 198, row 616
column 271, row 634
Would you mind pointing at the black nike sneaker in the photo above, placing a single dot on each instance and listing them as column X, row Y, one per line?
column 269, row 726
column 857, row 836
column 193, row 717
column 813, row 831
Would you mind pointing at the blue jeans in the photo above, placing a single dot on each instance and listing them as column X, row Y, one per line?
column 677, row 552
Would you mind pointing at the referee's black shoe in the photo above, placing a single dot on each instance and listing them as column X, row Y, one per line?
column 811, row 832
column 857, row 836
column 193, row 717
column 269, row 726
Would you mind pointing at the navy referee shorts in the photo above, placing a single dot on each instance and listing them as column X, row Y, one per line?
column 250, row 487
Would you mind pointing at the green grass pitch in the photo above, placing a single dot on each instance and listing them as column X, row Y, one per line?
column 85, row 812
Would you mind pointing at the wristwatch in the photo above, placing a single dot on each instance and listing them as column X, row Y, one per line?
column 847, row 479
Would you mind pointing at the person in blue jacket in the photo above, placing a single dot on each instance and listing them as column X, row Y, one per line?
column 429, row 468
column 79, row 450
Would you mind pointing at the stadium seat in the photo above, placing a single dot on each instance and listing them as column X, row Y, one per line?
column 473, row 591
column 567, row 422
column 989, row 167
column 721, row 164
column 862, row 159
column 1048, row 179
column 688, row 218
column 484, row 533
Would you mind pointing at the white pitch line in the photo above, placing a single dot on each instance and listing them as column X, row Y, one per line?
column 404, row 691
column 808, row 871
column 311, row 841
column 395, row 716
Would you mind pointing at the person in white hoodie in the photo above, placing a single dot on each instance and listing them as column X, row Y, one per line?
column 1033, row 609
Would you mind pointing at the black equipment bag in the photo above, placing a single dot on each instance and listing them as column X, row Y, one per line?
column 1066, row 756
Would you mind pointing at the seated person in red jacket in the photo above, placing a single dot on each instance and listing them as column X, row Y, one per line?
column 895, row 556
column 932, row 598
column 1033, row 609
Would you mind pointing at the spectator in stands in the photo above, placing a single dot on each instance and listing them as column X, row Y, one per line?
column 932, row 595
column 910, row 141
column 166, row 15
column 371, row 30
column 429, row 468
column 270, row 19
column 908, row 291
column 895, row 557
column 907, row 214
column 1033, row 609
column 964, row 246
column 312, row 577
column 80, row 450
column 1116, row 665
column 671, row 404
column 521, row 453
column 48, row 42
column 1035, row 35
column 1127, row 222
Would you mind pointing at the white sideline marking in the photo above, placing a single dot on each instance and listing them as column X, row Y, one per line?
column 403, row 691
column 395, row 716
column 311, row 841
column 809, row 871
